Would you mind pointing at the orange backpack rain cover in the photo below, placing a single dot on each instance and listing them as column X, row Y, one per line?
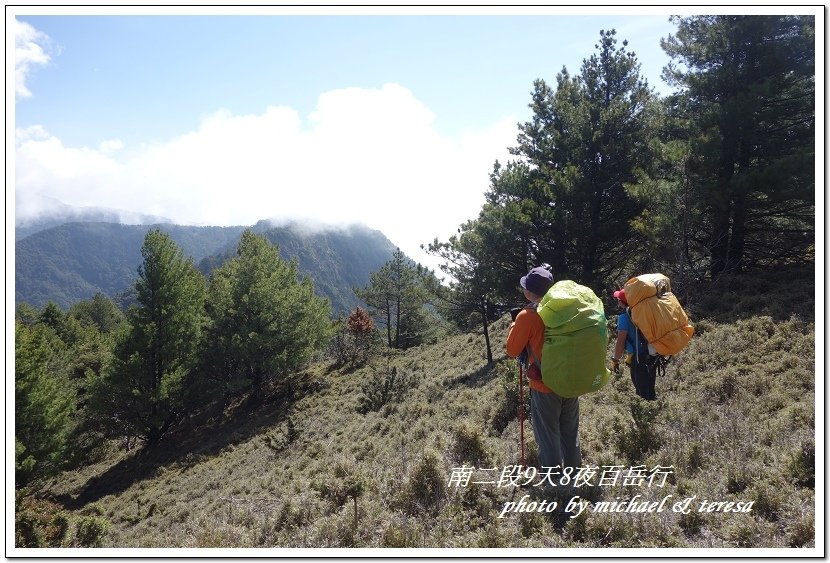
column 657, row 313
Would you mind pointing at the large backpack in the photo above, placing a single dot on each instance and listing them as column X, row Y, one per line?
column 657, row 313
column 576, row 340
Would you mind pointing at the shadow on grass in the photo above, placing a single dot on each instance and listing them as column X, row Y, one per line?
column 203, row 435
column 776, row 293
column 475, row 378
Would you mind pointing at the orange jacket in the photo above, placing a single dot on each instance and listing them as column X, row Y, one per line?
column 528, row 329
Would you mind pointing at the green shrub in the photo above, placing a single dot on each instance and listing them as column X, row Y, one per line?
column 39, row 522
column 692, row 522
column 726, row 388
column 770, row 499
column 802, row 531
column 507, row 402
column 610, row 529
column 534, row 524
column 210, row 535
column 90, row 531
column 475, row 502
column 744, row 531
column 387, row 386
column 643, row 436
column 577, row 528
column 290, row 516
column 468, row 446
column 400, row 533
column 335, row 531
column 801, row 467
column 694, row 457
column 495, row 536
column 346, row 482
column 736, row 479
column 426, row 485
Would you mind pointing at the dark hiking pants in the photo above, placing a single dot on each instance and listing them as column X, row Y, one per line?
column 644, row 376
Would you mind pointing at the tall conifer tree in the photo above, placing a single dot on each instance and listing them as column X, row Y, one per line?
column 395, row 296
column 146, row 392
column 748, row 91
column 43, row 402
column 264, row 321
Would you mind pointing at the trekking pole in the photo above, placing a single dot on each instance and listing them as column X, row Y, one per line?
column 521, row 416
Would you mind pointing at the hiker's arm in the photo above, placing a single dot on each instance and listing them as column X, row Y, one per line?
column 619, row 346
column 518, row 336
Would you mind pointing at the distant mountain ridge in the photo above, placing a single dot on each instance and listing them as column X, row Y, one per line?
column 72, row 262
column 55, row 213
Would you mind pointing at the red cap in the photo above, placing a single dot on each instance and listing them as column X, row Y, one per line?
column 620, row 294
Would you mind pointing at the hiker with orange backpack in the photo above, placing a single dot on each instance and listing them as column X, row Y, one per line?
column 652, row 328
column 635, row 347
column 555, row 419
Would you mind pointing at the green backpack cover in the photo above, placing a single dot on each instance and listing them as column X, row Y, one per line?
column 576, row 340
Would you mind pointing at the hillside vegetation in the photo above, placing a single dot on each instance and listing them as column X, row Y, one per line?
column 365, row 458
column 71, row 262
column 68, row 263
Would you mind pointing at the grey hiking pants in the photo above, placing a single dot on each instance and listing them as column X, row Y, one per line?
column 556, row 428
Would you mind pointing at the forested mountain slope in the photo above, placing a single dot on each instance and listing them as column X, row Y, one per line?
column 72, row 262
column 336, row 259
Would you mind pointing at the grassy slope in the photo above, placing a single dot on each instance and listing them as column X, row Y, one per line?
column 735, row 418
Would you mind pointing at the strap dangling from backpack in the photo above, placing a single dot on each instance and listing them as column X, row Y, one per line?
column 659, row 363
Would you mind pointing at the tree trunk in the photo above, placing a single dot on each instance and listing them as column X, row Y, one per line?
column 153, row 436
column 719, row 244
column 388, row 323
column 722, row 207
column 558, row 259
column 398, row 322
column 735, row 258
column 589, row 258
column 256, row 387
column 486, row 331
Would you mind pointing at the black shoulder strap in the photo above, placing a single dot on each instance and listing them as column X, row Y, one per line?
column 533, row 357
column 637, row 334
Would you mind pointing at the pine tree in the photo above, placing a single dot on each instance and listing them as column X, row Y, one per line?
column 43, row 403
column 585, row 143
column 100, row 312
column 146, row 391
column 264, row 321
column 396, row 297
column 748, row 91
column 474, row 261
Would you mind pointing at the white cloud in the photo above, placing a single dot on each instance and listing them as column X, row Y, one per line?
column 29, row 52
column 365, row 155
column 110, row 146
column 22, row 134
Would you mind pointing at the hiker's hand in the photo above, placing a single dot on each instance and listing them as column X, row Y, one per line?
column 615, row 366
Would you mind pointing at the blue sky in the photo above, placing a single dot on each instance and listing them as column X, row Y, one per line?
column 153, row 76
column 390, row 120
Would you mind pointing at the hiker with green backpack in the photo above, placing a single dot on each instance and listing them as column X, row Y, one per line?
column 564, row 333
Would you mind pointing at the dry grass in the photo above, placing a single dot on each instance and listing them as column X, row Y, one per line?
column 735, row 419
